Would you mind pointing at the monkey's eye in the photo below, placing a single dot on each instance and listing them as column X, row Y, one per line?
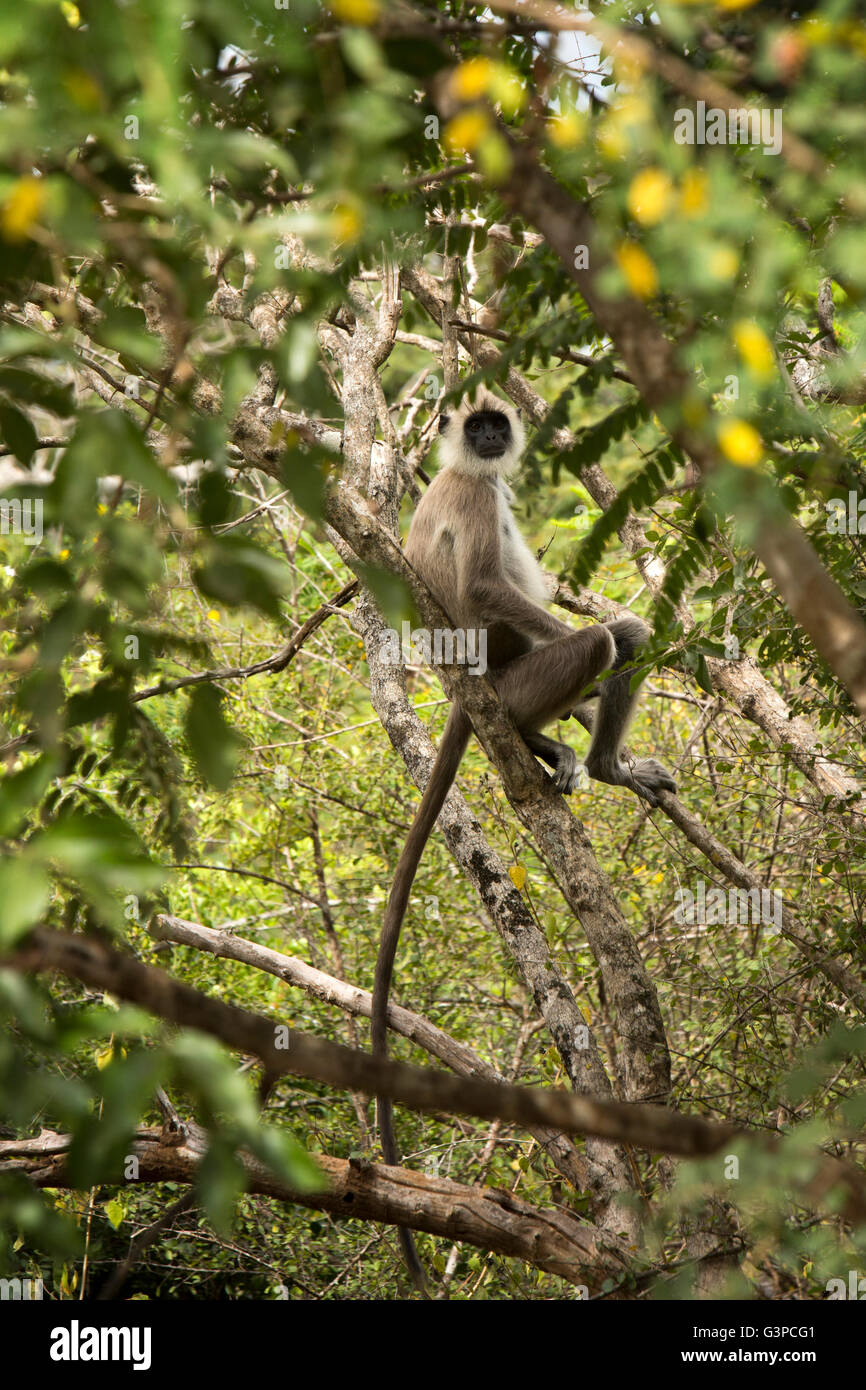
column 474, row 426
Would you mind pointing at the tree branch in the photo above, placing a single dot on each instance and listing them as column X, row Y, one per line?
column 489, row 1218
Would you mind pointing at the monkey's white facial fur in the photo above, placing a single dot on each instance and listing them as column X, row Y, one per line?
column 483, row 437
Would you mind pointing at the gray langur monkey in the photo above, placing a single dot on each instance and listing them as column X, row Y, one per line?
column 464, row 544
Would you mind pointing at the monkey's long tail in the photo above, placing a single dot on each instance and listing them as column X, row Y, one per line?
column 448, row 758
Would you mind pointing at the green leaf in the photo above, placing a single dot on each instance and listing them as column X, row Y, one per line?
column 115, row 1211
column 391, row 594
column 18, row 432
column 287, row 1159
column 105, row 442
column 24, row 895
column 220, row 1180
column 126, row 1087
column 87, row 840
column 303, row 473
column 702, row 675
column 215, row 746
column 24, row 789
column 102, row 854
column 36, row 389
column 237, row 572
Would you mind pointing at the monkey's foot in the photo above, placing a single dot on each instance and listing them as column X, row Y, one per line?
column 644, row 776
column 649, row 777
column 566, row 775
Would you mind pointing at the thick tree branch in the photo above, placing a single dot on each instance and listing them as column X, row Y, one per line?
column 96, row 964
column 486, row 1217
column 358, row 1002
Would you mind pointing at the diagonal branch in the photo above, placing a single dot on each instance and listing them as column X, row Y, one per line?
column 655, row 1127
column 285, row 1051
column 358, row 1002
column 604, row 1171
column 561, row 837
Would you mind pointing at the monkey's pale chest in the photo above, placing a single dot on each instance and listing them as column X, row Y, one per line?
column 518, row 562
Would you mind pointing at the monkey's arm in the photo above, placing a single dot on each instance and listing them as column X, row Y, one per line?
column 500, row 601
column 483, row 586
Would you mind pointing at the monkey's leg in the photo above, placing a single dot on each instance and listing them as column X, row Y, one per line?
column 586, row 714
column 645, row 776
column 558, row 679
column 549, row 682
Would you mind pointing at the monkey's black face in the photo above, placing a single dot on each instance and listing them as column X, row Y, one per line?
column 488, row 432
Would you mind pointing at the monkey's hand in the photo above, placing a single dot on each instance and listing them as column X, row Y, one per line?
column 644, row 776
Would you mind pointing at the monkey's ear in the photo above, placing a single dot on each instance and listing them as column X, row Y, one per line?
column 443, row 422
column 518, row 412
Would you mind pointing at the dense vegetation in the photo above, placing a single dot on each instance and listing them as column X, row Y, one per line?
column 247, row 253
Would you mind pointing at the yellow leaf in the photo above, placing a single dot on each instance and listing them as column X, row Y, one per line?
column 213, row 615
column 629, row 67
column 21, row 209
column 467, row 130
column 517, row 874
column 639, row 271
column 567, row 130
column 71, row 13
column 649, row 196
column 817, row 29
column 724, row 263
column 755, row 348
column 347, row 223
column 479, row 77
column 472, row 79
column 357, row 11
column 694, row 193
column 740, row 443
